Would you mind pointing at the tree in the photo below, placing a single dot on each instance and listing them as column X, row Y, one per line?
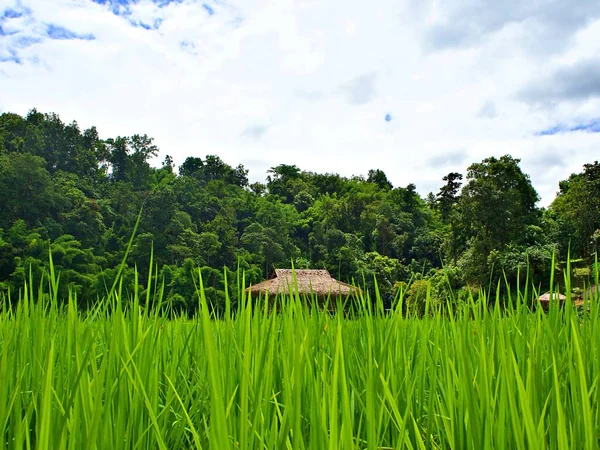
column 92, row 142
column 209, row 246
column 386, row 271
column 379, row 178
column 446, row 202
column 119, row 159
column 55, row 152
column 577, row 211
column 129, row 159
column 79, row 216
column 496, row 206
column 280, row 179
column 190, row 166
column 26, row 188
column 214, row 168
column 75, row 264
column 168, row 164
column 498, row 201
column 143, row 149
column 13, row 129
column 258, row 188
column 447, row 197
column 259, row 241
column 239, row 176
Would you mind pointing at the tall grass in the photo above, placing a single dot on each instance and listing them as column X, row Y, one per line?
column 122, row 376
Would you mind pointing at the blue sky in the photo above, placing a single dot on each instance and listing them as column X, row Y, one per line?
column 416, row 88
column 58, row 32
column 586, row 126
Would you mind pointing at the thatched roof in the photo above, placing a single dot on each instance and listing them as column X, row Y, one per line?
column 317, row 282
column 545, row 298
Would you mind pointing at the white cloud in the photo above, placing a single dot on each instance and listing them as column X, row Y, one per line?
column 202, row 83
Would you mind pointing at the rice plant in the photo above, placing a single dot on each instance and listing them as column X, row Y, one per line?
column 296, row 377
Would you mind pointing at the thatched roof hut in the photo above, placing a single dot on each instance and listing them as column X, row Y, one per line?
column 545, row 299
column 309, row 282
column 555, row 296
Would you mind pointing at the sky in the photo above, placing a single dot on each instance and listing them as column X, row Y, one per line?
column 416, row 88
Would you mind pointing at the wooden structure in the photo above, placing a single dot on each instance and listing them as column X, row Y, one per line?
column 306, row 282
column 556, row 297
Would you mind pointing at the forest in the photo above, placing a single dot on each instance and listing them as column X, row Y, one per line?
column 77, row 196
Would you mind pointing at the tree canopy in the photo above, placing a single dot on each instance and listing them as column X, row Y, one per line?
column 68, row 192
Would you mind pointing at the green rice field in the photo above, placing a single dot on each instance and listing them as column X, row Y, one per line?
column 125, row 377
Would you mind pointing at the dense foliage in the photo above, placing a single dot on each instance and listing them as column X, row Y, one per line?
column 70, row 192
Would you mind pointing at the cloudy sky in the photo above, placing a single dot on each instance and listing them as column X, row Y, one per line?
column 418, row 88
